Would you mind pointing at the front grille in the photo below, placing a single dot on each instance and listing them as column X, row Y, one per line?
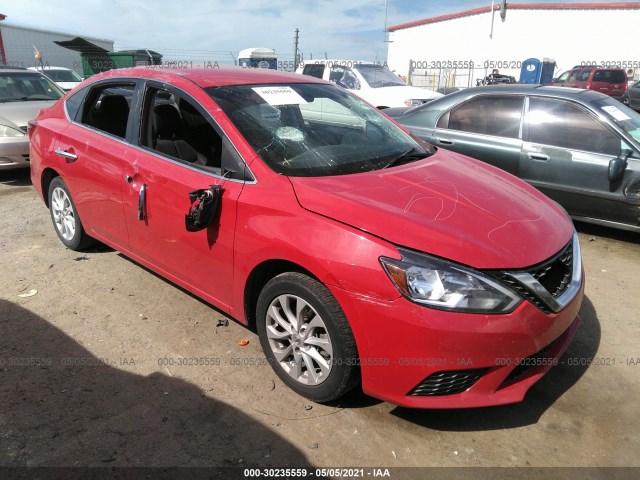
column 448, row 382
column 554, row 275
column 529, row 362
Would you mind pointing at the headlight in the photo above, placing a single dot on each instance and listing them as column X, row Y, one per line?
column 6, row 131
column 447, row 286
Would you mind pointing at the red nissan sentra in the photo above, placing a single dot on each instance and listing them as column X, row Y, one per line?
column 360, row 255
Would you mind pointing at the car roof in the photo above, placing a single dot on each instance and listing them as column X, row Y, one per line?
column 40, row 69
column 578, row 94
column 211, row 77
column 11, row 68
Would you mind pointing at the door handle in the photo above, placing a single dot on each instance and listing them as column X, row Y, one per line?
column 538, row 156
column 142, row 202
column 68, row 155
column 445, row 141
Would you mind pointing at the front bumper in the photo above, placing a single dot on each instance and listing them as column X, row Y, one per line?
column 407, row 351
column 14, row 152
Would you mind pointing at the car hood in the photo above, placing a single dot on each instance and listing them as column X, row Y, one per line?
column 446, row 205
column 66, row 86
column 21, row 112
column 395, row 96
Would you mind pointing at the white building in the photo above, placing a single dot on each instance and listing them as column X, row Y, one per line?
column 461, row 47
column 17, row 46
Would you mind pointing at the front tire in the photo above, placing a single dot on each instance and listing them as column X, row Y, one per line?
column 306, row 337
column 65, row 217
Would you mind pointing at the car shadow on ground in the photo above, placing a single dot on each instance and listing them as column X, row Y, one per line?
column 607, row 232
column 353, row 399
column 19, row 177
column 62, row 406
column 538, row 399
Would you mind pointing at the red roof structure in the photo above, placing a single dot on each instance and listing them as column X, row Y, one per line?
column 521, row 6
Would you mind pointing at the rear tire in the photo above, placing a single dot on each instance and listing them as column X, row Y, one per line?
column 306, row 337
column 64, row 216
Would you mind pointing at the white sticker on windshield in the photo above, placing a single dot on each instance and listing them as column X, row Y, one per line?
column 279, row 95
column 616, row 113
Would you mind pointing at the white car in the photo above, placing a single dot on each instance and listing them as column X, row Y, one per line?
column 372, row 82
column 65, row 78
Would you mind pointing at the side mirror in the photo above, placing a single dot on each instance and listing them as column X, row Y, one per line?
column 618, row 165
column 204, row 207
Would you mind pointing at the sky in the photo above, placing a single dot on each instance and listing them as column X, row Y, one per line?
column 216, row 30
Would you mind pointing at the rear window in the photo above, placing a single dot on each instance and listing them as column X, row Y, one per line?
column 610, row 76
column 315, row 70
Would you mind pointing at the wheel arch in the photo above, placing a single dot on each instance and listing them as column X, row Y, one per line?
column 47, row 176
column 258, row 278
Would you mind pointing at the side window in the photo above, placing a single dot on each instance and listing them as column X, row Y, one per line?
column 562, row 124
column 74, row 102
column 573, row 75
column 489, row 115
column 314, row 70
column 173, row 126
column 107, row 108
column 584, row 75
column 349, row 80
column 336, row 73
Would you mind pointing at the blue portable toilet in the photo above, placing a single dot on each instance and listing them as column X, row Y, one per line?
column 258, row 58
column 530, row 71
column 536, row 72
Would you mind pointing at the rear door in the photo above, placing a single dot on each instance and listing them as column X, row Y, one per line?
column 572, row 79
column 582, row 79
column 181, row 150
column 566, row 155
column 96, row 150
column 486, row 127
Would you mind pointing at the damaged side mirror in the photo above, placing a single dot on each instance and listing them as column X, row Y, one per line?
column 618, row 165
column 203, row 209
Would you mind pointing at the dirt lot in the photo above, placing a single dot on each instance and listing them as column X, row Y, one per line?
column 94, row 383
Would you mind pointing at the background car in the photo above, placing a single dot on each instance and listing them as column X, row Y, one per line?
column 359, row 253
column 65, row 78
column 632, row 98
column 579, row 147
column 610, row 81
column 23, row 93
column 372, row 82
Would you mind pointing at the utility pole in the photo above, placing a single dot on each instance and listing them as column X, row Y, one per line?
column 295, row 50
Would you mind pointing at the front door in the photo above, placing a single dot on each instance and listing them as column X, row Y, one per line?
column 566, row 155
column 180, row 152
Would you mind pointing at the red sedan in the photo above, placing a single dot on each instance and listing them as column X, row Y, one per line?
column 360, row 254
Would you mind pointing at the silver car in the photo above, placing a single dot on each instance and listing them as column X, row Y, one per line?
column 23, row 93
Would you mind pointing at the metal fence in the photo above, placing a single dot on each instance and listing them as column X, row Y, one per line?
column 444, row 78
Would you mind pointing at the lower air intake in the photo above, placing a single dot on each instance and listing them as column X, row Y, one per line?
column 448, row 382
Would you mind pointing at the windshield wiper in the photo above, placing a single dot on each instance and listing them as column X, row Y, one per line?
column 412, row 154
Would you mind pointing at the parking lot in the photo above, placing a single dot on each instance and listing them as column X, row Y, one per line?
column 98, row 368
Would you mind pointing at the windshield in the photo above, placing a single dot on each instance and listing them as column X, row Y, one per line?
column 378, row 76
column 22, row 87
column 620, row 114
column 308, row 130
column 62, row 75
